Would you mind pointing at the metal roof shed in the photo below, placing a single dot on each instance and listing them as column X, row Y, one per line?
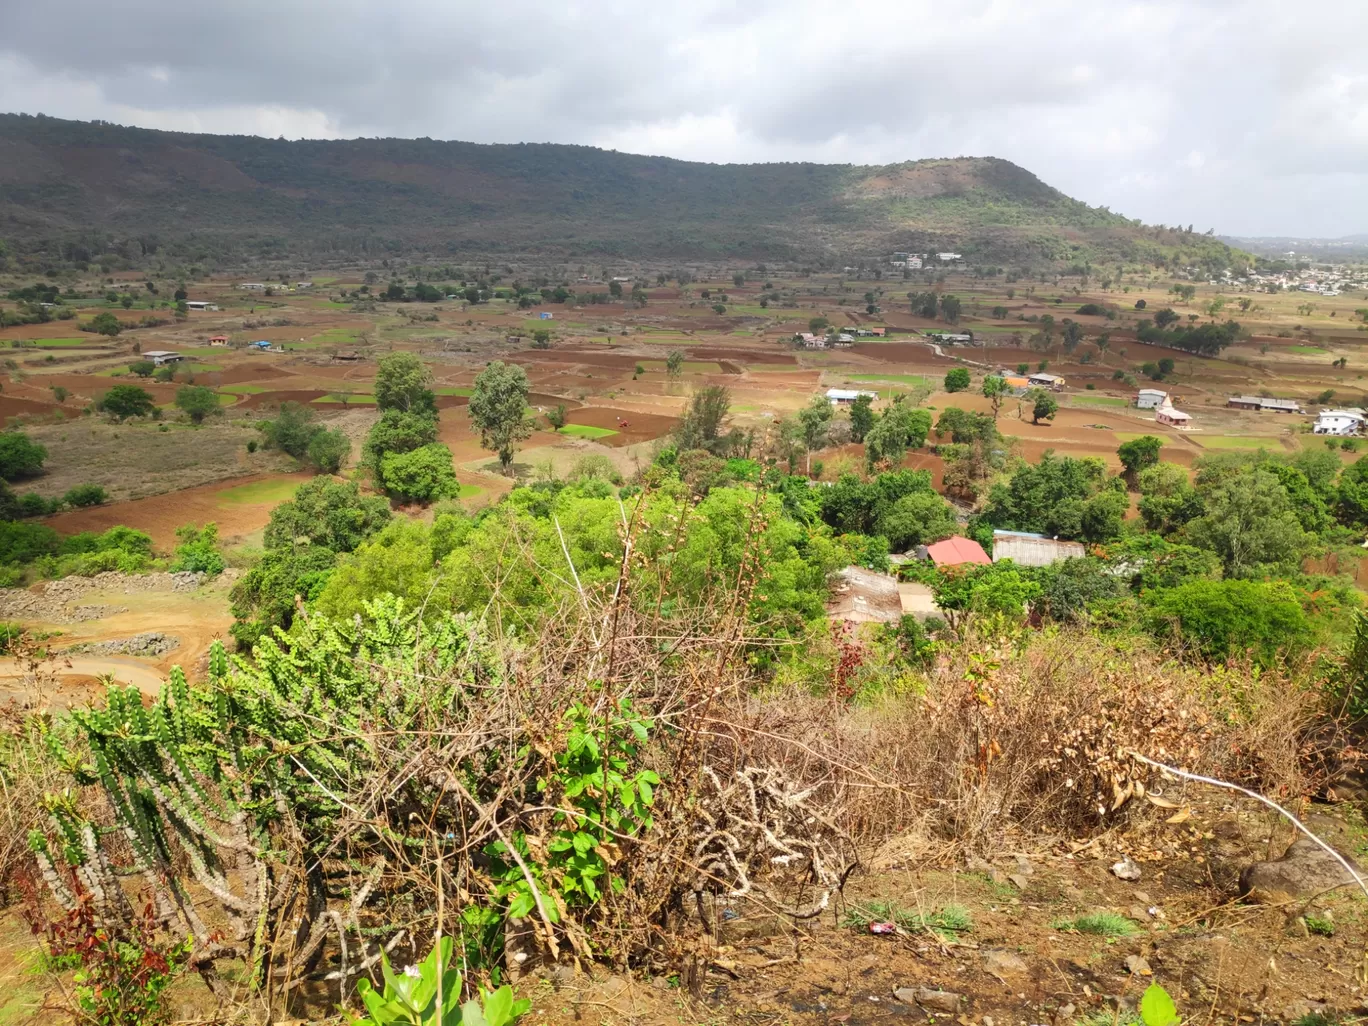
column 1026, row 549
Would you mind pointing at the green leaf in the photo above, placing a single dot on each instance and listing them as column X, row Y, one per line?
column 1157, row 1008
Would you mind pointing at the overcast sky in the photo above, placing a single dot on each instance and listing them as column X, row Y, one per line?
column 1247, row 116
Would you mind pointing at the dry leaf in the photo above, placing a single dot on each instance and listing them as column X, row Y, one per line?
column 1181, row 816
column 1163, row 803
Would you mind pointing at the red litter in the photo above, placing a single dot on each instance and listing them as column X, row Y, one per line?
column 883, row 928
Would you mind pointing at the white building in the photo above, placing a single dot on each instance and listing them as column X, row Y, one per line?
column 161, row 356
column 1166, row 414
column 199, row 304
column 838, row 396
column 1340, row 422
column 1044, row 379
column 1150, row 398
column 946, row 258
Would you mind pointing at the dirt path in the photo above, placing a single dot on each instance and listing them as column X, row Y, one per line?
column 125, row 669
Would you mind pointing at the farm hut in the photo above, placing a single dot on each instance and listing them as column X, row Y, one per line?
column 1245, row 402
column 260, row 343
column 956, row 550
column 1167, row 415
column 863, row 596
column 200, row 304
column 347, row 354
column 1149, row 398
column 515, row 340
column 1282, row 405
column 546, row 315
column 162, row 356
column 1340, row 422
column 1019, row 386
column 218, row 340
column 1026, row 549
column 841, row 396
column 1046, row 380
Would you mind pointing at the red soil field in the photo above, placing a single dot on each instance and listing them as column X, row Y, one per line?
column 641, row 427
column 160, row 515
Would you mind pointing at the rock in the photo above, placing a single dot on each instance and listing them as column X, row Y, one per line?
column 998, row 961
column 946, row 1001
column 1305, row 869
column 1065, row 1013
column 150, row 643
column 1019, row 881
column 1301, row 1009
column 1024, row 867
column 1137, row 966
column 1126, row 870
column 1227, row 830
column 1142, row 897
column 907, row 995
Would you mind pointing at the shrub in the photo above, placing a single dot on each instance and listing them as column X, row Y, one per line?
column 20, row 456
column 1221, row 619
column 197, row 402
column 124, row 401
column 86, row 495
column 198, row 550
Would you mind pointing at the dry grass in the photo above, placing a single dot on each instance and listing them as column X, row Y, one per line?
column 134, row 460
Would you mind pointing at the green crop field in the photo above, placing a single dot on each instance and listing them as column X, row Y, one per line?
column 454, row 391
column 1238, row 442
column 258, row 493
column 1308, row 350
column 67, row 343
column 901, row 379
column 1099, row 400
column 690, row 366
column 355, row 399
column 244, row 389
column 205, row 368
column 586, row 431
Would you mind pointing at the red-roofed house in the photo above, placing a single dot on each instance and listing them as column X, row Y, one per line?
column 956, row 550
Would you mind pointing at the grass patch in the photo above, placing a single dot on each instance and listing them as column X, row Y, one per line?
column 1099, row 400
column 355, row 399
column 205, row 368
column 946, row 922
column 902, row 379
column 1308, row 350
column 258, row 493
column 1238, row 442
column 1098, row 924
column 469, row 491
column 691, row 366
column 65, row 343
column 244, row 389
column 1115, row 1017
column 1320, row 926
column 454, row 391
column 586, row 431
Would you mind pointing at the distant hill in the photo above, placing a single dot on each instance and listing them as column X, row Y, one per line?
column 70, row 190
column 1347, row 248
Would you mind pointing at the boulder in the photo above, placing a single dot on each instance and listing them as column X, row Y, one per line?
column 1305, row 869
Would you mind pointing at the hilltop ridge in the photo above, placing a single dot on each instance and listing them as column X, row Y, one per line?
column 68, row 188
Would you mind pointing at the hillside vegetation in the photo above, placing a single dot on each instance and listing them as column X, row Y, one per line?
column 75, row 191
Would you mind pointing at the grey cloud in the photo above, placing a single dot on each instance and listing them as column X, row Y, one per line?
column 1108, row 102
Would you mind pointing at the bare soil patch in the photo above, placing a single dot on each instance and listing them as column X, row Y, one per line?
column 160, row 515
column 630, row 425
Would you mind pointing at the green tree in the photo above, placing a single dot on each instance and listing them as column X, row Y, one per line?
column 1044, row 405
column 1221, row 619
column 498, row 408
column 1059, row 496
column 266, row 597
column 404, row 382
column 969, row 591
column 423, row 475
column 1168, row 500
column 541, row 339
column 326, row 513
column 328, row 450
column 197, row 402
column 105, row 324
column 950, row 307
column 1250, row 524
column 861, row 417
column 919, row 518
column 290, row 430
column 60, row 393
column 124, row 401
column 815, row 419
column 1073, row 335
column 1071, row 586
column 396, row 431
column 398, row 561
column 1351, row 495
column 995, row 389
column 957, row 379
column 1139, row 453
column 674, row 363
column 143, row 368
column 556, row 416
column 901, row 427
column 701, row 425
column 20, row 456
column 817, row 325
